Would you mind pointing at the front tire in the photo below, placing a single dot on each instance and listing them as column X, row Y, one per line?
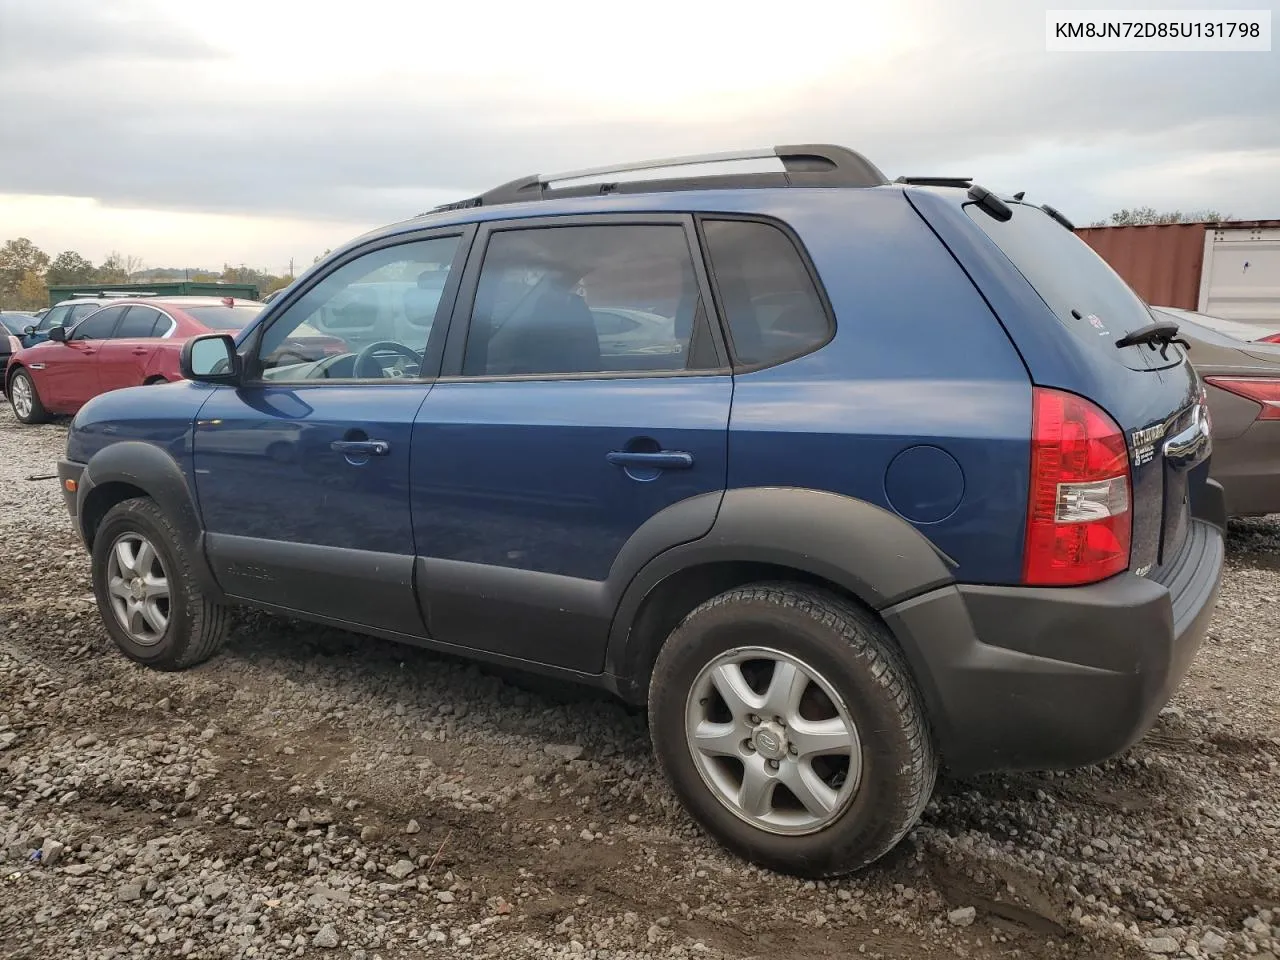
column 25, row 400
column 148, row 597
column 788, row 724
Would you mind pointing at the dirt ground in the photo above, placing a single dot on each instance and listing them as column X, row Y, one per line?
column 314, row 793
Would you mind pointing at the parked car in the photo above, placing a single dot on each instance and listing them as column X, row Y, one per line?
column 66, row 313
column 923, row 484
column 12, row 323
column 121, row 345
column 1240, row 364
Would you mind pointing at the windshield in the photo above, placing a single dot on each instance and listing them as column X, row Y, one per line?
column 225, row 318
column 1090, row 298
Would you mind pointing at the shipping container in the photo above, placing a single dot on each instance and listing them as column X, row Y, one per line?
column 161, row 288
column 1229, row 269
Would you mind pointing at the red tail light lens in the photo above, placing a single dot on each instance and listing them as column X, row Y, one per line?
column 1079, row 522
column 1272, row 338
column 1263, row 390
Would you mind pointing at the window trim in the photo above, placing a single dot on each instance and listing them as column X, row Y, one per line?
column 806, row 261
column 460, row 321
column 150, row 336
column 432, row 355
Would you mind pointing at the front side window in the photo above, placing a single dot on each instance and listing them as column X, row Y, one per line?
column 98, row 326
column 367, row 320
column 768, row 297
column 584, row 299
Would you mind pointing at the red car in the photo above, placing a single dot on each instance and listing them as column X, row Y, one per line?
column 126, row 344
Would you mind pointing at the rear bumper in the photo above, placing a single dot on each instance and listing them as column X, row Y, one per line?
column 1053, row 678
column 1248, row 467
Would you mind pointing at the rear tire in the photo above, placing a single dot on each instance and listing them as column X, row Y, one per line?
column 148, row 597
column 827, row 761
column 25, row 400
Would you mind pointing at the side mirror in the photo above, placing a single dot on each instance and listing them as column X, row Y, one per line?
column 211, row 358
column 58, row 334
column 29, row 330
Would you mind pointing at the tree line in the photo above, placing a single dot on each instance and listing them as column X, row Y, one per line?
column 27, row 272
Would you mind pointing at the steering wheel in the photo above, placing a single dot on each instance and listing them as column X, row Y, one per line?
column 365, row 362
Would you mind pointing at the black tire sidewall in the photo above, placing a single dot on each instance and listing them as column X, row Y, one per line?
column 870, row 822
column 136, row 516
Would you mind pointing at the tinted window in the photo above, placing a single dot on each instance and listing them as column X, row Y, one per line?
column 98, row 326
column 137, row 322
column 1077, row 284
column 82, row 310
column 225, row 318
column 769, row 300
column 388, row 297
column 545, row 297
column 56, row 317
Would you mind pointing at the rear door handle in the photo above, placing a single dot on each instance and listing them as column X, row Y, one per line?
column 361, row 448
column 662, row 460
column 139, row 351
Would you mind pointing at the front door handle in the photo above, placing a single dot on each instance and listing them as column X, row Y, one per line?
column 661, row 460
column 139, row 351
column 361, row 448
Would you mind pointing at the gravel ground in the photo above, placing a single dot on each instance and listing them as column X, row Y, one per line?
column 313, row 793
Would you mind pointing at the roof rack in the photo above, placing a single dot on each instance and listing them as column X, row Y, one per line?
column 799, row 165
column 103, row 294
column 936, row 181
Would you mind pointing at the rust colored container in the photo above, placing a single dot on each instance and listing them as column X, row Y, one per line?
column 1162, row 262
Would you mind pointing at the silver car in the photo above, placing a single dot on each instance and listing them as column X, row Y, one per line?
column 1241, row 371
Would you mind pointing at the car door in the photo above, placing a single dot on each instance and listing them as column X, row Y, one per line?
column 67, row 373
column 122, row 360
column 302, row 473
column 545, row 448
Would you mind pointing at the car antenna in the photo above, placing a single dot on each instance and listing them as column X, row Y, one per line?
column 1019, row 195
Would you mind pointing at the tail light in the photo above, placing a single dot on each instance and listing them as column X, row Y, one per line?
column 1271, row 338
column 1079, row 522
column 1263, row 390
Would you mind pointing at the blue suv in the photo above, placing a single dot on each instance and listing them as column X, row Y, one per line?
column 844, row 478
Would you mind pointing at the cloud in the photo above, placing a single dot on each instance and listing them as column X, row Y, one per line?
column 375, row 118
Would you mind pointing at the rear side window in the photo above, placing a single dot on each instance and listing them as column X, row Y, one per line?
column 767, row 295
column 225, row 318
column 1096, row 305
column 607, row 298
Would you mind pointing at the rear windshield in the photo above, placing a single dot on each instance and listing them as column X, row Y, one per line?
column 225, row 318
column 1077, row 284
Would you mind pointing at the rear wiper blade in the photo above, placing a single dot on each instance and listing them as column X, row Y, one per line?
column 1161, row 332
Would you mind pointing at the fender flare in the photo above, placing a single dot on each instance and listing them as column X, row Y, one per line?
column 865, row 549
column 154, row 471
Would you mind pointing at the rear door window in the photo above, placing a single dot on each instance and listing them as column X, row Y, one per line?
column 1090, row 298
column 138, row 323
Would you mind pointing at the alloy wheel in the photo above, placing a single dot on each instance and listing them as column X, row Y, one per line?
column 773, row 740
column 139, row 589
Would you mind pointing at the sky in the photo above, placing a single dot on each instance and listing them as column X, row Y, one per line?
column 193, row 133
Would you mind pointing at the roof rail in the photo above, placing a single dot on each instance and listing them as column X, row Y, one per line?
column 101, row 294
column 936, row 181
column 800, row 165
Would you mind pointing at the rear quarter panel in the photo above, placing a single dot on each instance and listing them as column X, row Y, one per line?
column 919, row 372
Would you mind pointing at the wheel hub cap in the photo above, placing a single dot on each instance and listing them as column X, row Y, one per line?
column 770, row 741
